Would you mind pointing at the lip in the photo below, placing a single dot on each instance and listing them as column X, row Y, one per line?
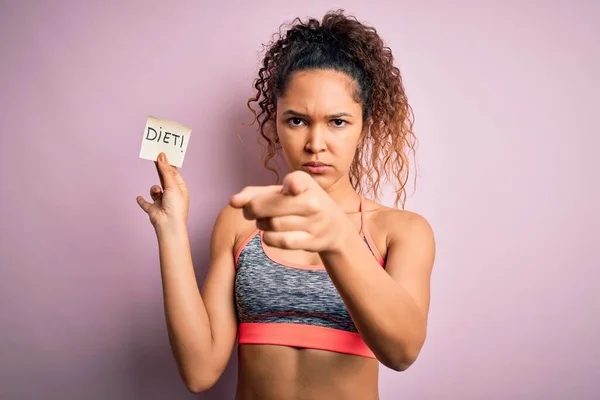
column 314, row 167
column 315, row 164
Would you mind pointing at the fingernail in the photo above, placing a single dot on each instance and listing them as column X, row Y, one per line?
column 161, row 157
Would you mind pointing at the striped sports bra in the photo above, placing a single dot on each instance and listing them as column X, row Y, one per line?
column 282, row 303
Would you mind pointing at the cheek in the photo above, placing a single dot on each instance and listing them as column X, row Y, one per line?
column 289, row 152
column 290, row 139
column 290, row 145
column 346, row 147
column 347, row 154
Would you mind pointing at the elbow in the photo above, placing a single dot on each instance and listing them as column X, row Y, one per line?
column 407, row 352
column 400, row 364
column 199, row 384
column 403, row 358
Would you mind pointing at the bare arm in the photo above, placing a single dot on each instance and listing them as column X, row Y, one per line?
column 389, row 307
column 202, row 328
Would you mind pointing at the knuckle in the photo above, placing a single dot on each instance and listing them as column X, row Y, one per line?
column 312, row 204
column 268, row 239
column 286, row 242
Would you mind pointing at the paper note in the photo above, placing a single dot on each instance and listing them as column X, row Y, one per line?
column 164, row 136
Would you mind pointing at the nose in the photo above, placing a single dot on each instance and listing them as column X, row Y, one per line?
column 316, row 140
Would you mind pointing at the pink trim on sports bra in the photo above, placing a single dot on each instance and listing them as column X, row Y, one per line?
column 309, row 336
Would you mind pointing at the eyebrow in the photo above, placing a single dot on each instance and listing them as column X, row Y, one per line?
column 331, row 116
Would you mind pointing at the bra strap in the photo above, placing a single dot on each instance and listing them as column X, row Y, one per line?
column 362, row 216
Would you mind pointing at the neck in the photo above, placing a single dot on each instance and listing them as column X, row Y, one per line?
column 344, row 195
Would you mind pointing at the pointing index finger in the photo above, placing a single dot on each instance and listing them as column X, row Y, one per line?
column 242, row 198
column 296, row 183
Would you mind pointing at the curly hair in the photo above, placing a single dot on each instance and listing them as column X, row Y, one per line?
column 344, row 44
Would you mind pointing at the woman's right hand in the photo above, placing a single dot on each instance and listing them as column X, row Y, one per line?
column 170, row 200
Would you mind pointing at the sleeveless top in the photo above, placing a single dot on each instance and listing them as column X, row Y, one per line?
column 287, row 304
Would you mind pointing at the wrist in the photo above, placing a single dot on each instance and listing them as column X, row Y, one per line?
column 170, row 228
column 342, row 237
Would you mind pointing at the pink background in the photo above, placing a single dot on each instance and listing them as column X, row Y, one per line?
column 505, row 98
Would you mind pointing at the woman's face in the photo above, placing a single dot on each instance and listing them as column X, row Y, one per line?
column 319, row 124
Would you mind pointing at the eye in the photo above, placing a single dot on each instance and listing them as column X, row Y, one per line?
column 339, row 123
column 295, row 121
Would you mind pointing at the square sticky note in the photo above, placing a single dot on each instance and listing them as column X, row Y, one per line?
column 162, row 135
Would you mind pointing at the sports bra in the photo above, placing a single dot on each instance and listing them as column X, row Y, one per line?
column 287, row 304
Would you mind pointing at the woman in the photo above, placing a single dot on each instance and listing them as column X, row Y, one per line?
column 317, row 283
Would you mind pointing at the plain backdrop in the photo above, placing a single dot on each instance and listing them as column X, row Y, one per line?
column 505, row 96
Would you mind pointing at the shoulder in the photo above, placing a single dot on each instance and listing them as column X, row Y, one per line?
column 409, row 243
column 233, row 220
column 400, row 226
column 402, row 223
column 232, row 227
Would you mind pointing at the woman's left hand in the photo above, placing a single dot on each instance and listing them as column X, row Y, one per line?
column 297, row 215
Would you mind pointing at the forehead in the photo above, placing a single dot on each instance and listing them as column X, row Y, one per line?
column 326, row 90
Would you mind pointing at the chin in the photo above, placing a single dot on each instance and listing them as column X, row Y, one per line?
column 323, row 180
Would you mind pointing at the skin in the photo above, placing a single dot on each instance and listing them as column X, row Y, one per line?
column 309, row 219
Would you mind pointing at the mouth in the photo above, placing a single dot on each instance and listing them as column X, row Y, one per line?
column 315, row 164
column 315, row 167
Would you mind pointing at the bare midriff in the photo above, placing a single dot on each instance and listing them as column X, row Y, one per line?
column 269, row 372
